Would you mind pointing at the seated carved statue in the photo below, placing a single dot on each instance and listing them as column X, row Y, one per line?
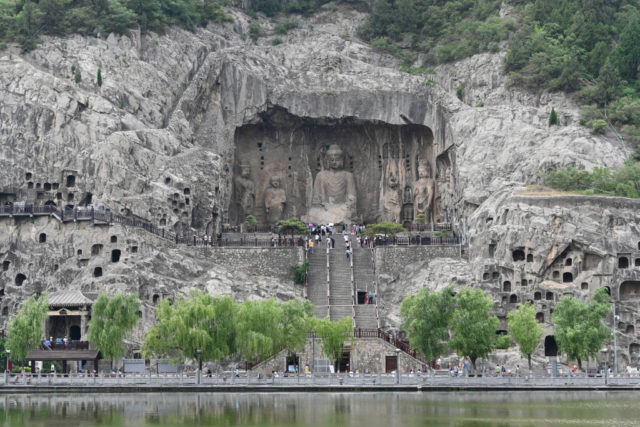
column 334, row 192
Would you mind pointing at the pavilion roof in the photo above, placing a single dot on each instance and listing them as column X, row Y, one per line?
column 69, row 299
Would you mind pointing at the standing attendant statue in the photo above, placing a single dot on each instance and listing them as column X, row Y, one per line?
column 275, row 200
column 423, row 193
column 245, row 191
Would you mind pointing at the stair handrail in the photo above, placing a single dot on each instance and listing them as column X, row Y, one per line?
column 328, row 284
column 353, row 299
column 375, row 285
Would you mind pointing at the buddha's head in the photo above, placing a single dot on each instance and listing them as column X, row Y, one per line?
column 335, row 157
column 275, row 181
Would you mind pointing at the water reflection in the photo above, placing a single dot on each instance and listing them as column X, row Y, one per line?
column 321, row 409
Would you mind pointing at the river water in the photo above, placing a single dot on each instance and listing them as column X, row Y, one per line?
column 386, row 409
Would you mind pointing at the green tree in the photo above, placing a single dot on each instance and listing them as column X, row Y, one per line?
column 627, row 54
column 298, row 319
column 300, row 272
column 292, row 226
column 258, row 330
column 199, row 322
column 427, row 317
column 579, row 330
column 250, row 220
column 553, row 117
column 111, row 319
column 608, row 83
column 255, row 31
column 26, row 327
column 333, row 336
column 473, row 327
column 99, row 78
column 421, row 219
column 384, row 228
column 525, row 330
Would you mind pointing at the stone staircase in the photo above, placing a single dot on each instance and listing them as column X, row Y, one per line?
column 317, row 281
column 340, row 281
column 366, row 316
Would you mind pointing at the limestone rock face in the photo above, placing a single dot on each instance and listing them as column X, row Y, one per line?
column 178, row 114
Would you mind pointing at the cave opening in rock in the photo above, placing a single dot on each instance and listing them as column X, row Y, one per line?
column 513, row 299
column 550, row 346
column 29, row 185
column 71, row 181
column 549, row 296
column 492, row 250
column 79, row 252
column 584, row 286
column 540, row 317
column 134, row 249
column 495, row 275
column 567, row 277
column 623, row 262
column 537, row 296
column 115, row 255
column 114, row 239
column 42, row 238
column 556, row 274
column 186, row 191
column 523, row 282
column 5, row 311
column 630, row 329
column 156, row 298
column 568, row 262
column 506, row 286
column 518, row 255
column 167, row 180
column 38, row 185
column 5, row 265
column 96, row 249
column 29, row 175
column 20, row 278
column 378, row 195
column 47, row 186
column 630, row 290
column 97, row 272
column 530, row 258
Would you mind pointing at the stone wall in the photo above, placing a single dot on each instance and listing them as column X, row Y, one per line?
column 274, row 262
column 368, row 355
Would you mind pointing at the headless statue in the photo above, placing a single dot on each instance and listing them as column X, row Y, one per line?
column 245, row 192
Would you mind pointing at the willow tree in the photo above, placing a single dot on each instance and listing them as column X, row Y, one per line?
column 333, row 336
column 199, row 322
column 298, row 319
column 473, row 326
column 111, row 320
column 259, row 329
column 525, row 329
column 427, row 317
column 25, row 328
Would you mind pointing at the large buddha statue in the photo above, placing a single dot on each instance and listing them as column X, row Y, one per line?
column 275, row 200
column 423, row 193
column 334, row 192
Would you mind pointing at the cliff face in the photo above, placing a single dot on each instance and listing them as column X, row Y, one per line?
column 159, row 140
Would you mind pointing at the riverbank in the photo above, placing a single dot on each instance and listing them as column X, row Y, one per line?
column 141, row 388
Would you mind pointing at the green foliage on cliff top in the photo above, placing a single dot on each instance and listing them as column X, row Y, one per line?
column 25, row 20
column 622, row 182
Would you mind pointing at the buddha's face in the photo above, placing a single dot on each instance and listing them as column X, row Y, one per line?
column 275, row 182
column 334, row 159
column 424, row 171
column 245, row 171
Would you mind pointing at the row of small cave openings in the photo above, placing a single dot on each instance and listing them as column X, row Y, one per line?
column 70, row 181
